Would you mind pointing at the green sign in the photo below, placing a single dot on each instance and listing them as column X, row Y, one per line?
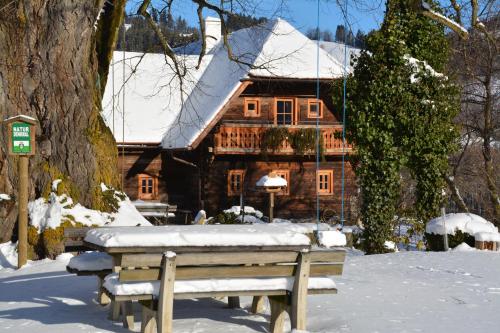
column 21, row 138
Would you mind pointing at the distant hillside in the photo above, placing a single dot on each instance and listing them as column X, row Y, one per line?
column 140, row 38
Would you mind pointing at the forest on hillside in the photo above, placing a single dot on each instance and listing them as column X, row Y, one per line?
column 139, row 37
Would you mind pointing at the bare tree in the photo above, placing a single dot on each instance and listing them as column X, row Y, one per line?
column 477, row 64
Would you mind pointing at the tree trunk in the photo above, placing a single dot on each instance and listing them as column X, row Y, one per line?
column 455, row 194
column 53, row 60
column 488, row 160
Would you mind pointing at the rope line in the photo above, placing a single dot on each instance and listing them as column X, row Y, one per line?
column 123, row 107
column 317, row 122
column 343, row 119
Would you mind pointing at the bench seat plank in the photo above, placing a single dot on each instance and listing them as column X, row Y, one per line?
column 210, row 286
column 90, row 263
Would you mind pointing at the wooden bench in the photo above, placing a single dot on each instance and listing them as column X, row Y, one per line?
column 73, row 239
column 285, row 277
column 156, row 212
column 95, row 263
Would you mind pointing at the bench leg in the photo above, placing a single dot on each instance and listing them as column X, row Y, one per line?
column 127, row 314
column 279, row 305
column 233, row 302
column 114, row 310
column 102, row 298
column 148, row 323
column 166, row 300
column 257, row 304
column 299, row 295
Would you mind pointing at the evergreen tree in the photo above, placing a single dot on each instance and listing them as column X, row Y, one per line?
column 340, row 33
column 350, row 39
column 400, row 114
column 360, row 40
column 313, row 34
column 163, row 17
column 327, row 36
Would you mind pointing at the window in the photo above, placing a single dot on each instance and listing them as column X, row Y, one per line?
column 235, row 179
column 284, row 113
column 252, row 107
column 325, row 182
column 285, row 174
column 314, row 108
column 148, row 187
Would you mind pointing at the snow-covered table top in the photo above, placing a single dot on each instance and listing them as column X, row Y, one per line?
column 155, row 238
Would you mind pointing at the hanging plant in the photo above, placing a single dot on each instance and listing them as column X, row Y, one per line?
column 273, row 138
column 303, row 142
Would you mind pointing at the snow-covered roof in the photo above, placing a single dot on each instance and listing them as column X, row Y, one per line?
column 153, row 95
column 275, row 49
column 337, row 50
column 155, row 109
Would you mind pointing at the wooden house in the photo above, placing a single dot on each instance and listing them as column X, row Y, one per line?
column 203, row 142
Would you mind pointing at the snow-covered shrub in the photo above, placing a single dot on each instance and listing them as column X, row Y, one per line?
column 49, row 217
column 233, row 216
column 460, row 227
column 435, row 242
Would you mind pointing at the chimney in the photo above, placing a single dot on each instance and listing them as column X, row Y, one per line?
column 213, row 32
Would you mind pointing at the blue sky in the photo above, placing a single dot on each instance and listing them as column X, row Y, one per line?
column 301, row 13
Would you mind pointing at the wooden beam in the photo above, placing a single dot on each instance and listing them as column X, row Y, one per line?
column 215, row 258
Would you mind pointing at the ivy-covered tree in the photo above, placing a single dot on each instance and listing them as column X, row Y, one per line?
column 400, row 114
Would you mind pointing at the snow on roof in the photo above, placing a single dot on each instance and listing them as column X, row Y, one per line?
column 337, row 51
column 275, row 49
column 155, row 108
column 267, row 181
column 21, row 117
column 152, row 94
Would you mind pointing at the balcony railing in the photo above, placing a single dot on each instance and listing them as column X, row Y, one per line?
column 247, row 139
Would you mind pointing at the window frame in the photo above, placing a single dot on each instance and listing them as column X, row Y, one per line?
column 147, row 196
column 236, row 172
column 247, row 112
column 319, row 102
column 286, row 173
column 329, row 190
column 294, row 111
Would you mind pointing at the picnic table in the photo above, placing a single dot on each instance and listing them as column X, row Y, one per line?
column 126, row 245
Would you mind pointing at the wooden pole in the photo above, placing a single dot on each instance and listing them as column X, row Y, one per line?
column 23, row 212
column 271, row 206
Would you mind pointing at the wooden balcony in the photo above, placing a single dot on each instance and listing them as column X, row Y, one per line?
column 246, row 139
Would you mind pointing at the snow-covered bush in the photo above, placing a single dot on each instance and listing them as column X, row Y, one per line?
column 49, row 217
column 233, row 216
column 436, row 242
column 460, row 227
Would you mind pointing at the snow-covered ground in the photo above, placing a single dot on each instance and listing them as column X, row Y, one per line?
column 399, row 292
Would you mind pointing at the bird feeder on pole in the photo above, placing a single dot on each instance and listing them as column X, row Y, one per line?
column 272, row 184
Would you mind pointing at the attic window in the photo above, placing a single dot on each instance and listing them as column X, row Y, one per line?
column 314, row 108
column 252, row 107
column 284, row 112
column 148, row 187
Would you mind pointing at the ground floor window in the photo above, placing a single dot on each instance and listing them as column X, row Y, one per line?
column 285, row 174
column 325, row 182
column 148, row 187
column 235, row 179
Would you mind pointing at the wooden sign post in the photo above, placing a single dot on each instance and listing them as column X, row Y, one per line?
column 21, row 143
